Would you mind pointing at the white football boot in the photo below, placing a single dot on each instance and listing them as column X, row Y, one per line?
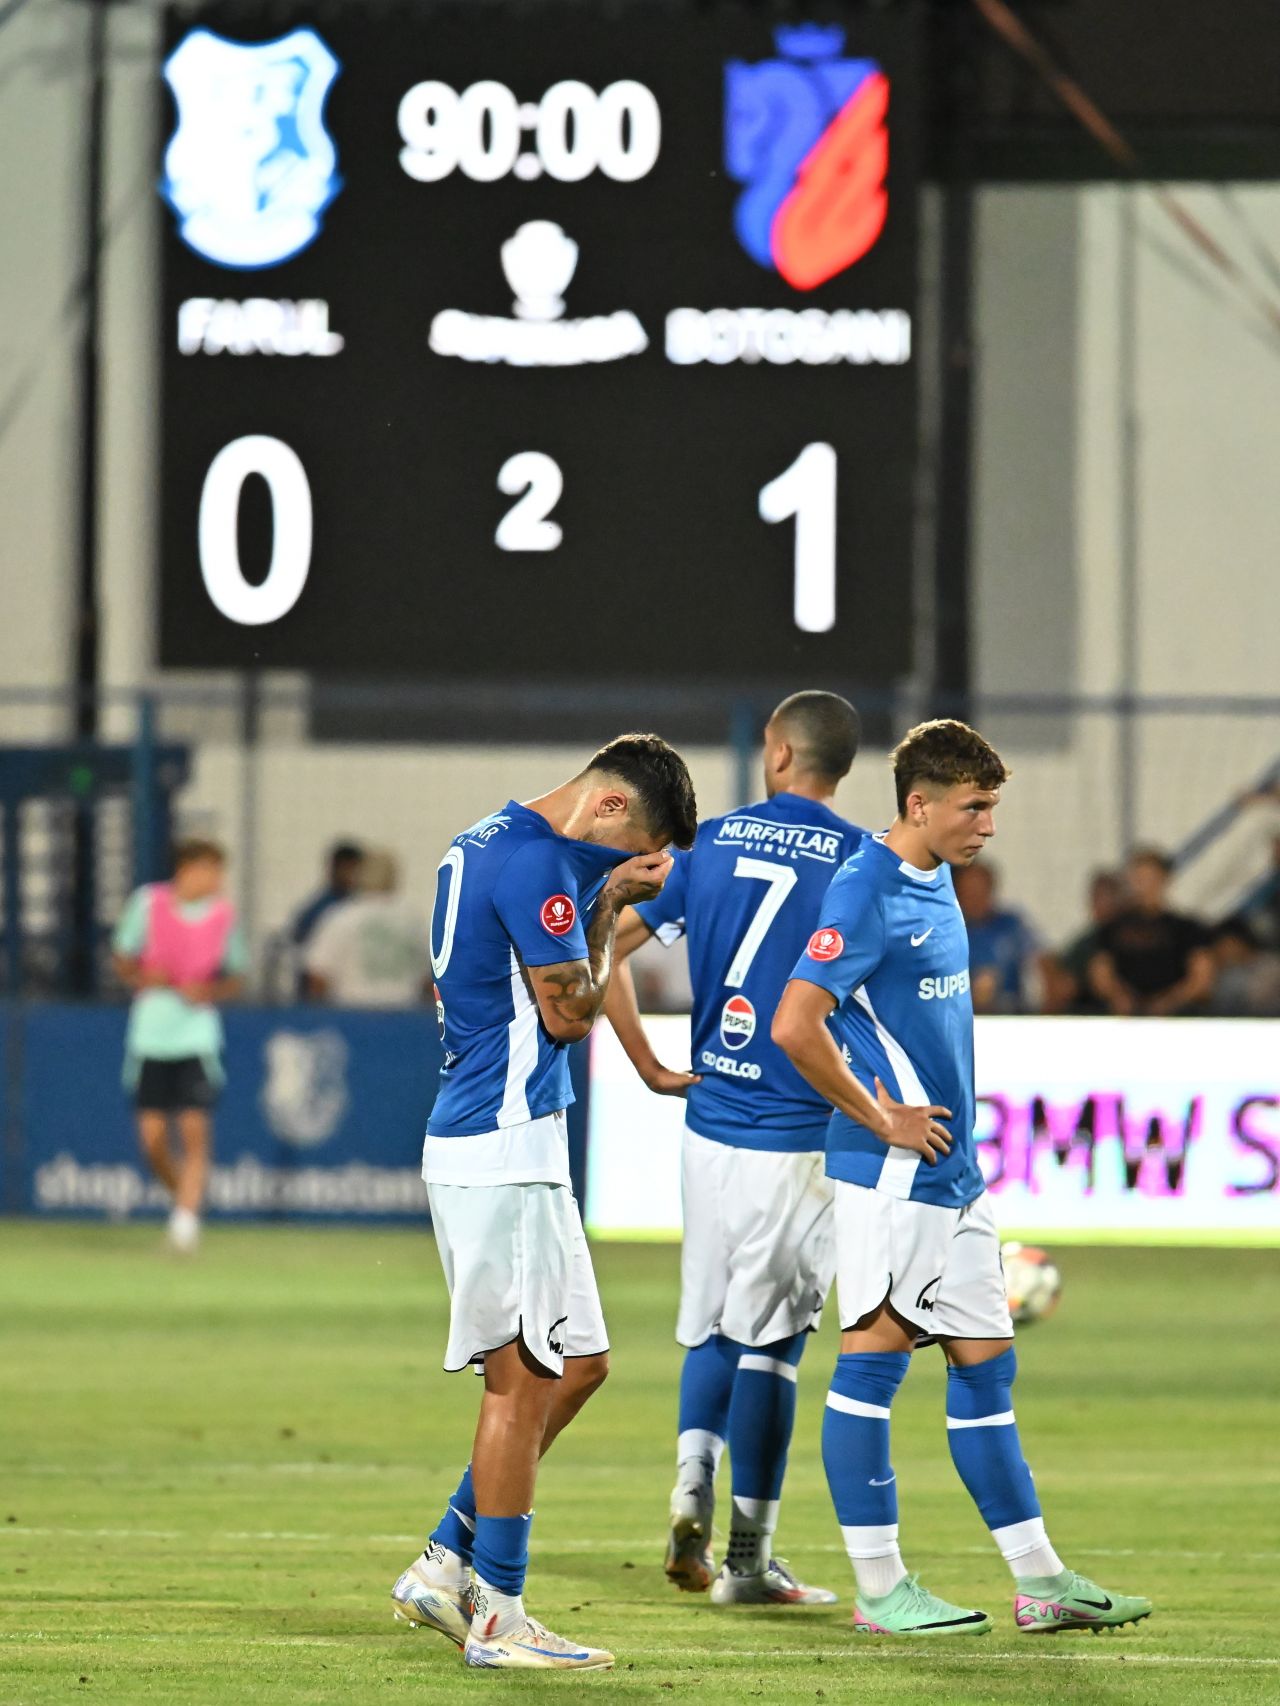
column 529, row 1645
column 428, row 1598
column 774, row 1585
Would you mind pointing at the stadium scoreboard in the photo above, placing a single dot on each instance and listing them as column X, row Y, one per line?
column 538, row 343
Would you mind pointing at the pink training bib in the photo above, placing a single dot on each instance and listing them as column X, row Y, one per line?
column 185, row 951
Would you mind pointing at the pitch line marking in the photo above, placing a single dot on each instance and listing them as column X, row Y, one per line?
column 549, row 1547
column 877, row 1656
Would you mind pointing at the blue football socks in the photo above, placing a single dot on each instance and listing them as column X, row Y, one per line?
column 855, row 1455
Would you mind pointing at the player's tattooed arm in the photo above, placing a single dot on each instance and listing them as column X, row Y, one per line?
column 571, row 994
column 800, row 1031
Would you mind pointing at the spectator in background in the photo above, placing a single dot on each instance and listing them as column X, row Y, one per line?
column 179, row 948
column 344, row 879
column 1067, row 988
column 372, row 950
column 1247, row 982
column 1149, row 959
column 1263, row 911
column 1002, row 946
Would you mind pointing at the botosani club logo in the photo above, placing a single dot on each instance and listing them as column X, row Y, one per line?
column 539, row 262
column 737, row 1022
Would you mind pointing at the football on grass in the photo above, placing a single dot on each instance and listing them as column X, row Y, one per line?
column 1032, row 1281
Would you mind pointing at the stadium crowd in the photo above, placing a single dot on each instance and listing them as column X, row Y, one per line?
column 360, row 942
column 1134, row 955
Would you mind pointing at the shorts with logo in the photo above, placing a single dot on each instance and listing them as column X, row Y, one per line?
column 939, row 1267
column 759, row 1242
column 169, row 1086
column 516, row 1262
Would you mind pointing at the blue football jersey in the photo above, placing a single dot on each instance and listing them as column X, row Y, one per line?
column 892, row 948
column 746, row 895
column 510, row 893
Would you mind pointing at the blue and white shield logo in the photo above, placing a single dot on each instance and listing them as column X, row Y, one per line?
column 250, row 167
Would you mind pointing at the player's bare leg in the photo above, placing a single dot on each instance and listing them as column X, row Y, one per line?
column 582, row 1378
column 516, row 1425
column 153, row 1135
column 192, row 1179
column 524, row 1409
column 193, row 1174
column 515, row 1414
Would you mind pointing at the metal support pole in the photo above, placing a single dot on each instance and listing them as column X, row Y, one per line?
column 954, row 57
column 250, row 730
column 1127, row 623
column 742, row 739
column 83, row 971
column 12, row 875
column 146, row 863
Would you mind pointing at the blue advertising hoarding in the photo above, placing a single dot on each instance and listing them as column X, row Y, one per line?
column 322, row 1115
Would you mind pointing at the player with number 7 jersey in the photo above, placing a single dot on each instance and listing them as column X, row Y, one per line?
column 758, row 1255
column 522, row 945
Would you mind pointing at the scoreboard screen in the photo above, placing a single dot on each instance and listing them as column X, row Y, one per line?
column 539, row 343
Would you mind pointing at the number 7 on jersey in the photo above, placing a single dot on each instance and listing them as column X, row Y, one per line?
column 781, row 880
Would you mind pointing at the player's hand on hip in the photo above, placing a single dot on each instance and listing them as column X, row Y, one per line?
column 638, row 879
column 664, row 1082
column 914, row 1128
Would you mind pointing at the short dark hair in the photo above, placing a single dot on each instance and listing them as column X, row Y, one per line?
column 659, row 779
column 824, row 729
column 1150, row 856
column 193, row 848
column 945, row 752
column 345, row 853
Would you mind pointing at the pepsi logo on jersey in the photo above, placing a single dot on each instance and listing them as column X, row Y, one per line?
column 558, row 915
column 737, row 1022
column 825, row 945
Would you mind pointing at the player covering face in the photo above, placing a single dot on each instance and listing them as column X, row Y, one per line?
column 522, row 946
column 878, row 1018
column 758, row 1253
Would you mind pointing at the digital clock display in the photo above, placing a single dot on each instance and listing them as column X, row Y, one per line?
column 536, row 343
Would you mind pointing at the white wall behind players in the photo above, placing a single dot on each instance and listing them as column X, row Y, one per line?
column 1048, row 509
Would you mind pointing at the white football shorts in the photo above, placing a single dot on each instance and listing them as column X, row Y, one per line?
column 939, row 1267
column 516, row 1262
column 759, row 1243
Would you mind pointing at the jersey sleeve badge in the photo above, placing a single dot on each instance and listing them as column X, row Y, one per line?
column 558, row 915
column 825, row 945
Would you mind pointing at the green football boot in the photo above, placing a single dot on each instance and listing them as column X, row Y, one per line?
column 913, row 1610
column 1044, row 1605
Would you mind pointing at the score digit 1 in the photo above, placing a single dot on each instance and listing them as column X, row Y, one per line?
column 807, row 490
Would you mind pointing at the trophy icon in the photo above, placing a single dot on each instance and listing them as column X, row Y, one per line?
column 539, row 260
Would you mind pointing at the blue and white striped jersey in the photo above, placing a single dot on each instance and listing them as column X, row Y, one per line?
column 510, row 893
column 891, row 946
column 746, row 895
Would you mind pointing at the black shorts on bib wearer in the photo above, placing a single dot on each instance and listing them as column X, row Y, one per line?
column 168, row 1086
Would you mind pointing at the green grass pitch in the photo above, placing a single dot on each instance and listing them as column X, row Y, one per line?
column 211, row 1472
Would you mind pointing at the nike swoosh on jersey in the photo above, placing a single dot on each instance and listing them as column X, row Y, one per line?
column 916, row 940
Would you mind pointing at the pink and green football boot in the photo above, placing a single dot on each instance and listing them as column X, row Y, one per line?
column 1047, row 1605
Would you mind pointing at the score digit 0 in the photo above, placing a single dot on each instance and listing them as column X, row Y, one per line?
column 235, row 597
